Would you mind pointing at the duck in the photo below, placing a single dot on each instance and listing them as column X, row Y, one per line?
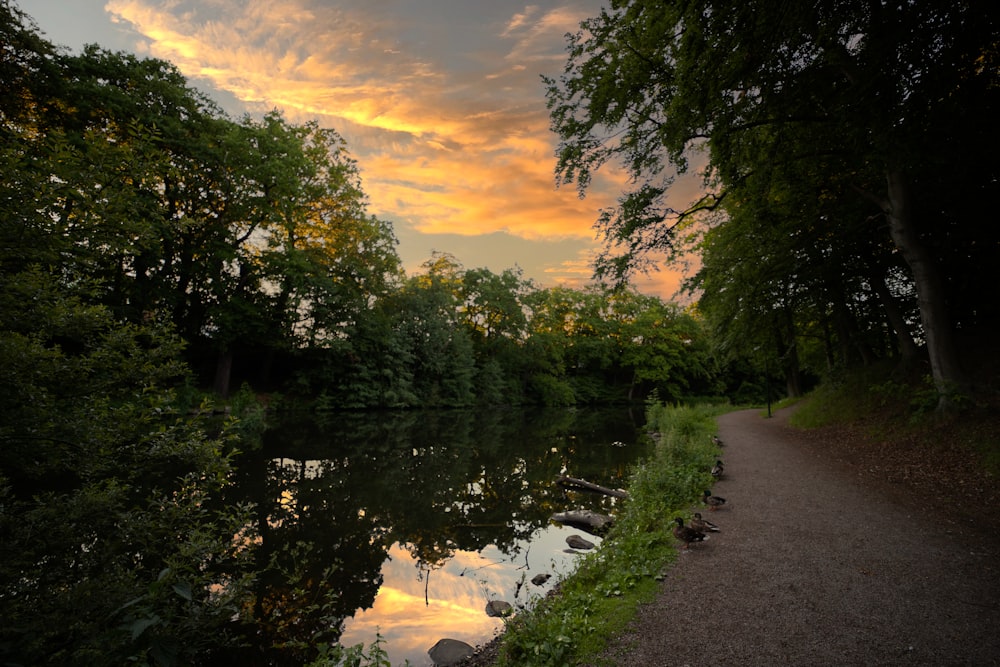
column 717, row 469
column 713, row 502
column 687, row 534
column 716, row 441
column 703, row 525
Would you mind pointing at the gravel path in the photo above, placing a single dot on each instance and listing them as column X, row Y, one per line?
column 816, row 565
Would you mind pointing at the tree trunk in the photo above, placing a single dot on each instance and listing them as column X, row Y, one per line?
column 264, row 371
column 577, row 484
column 223, row 372
column 945, row 367
column 908, row 350
column 788, row 353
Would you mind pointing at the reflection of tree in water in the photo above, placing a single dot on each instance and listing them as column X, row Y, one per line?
column 332, row 498
column 318, row 559
column 478, row 486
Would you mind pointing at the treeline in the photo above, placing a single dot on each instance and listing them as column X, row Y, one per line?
column 451, row 336
column 249, row 240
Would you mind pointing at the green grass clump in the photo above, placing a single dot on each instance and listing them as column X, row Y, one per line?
column 595, row 602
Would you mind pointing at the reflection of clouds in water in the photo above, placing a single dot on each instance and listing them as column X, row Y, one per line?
column 456, row 594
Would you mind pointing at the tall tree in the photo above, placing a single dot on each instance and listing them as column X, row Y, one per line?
column 442, row 351
column 111, row 550
column 493, row 312
column 875, row 88
column 249, row 235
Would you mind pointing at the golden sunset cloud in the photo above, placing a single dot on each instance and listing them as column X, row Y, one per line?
column 444, row 113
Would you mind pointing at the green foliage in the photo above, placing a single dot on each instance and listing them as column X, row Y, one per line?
column 597, row 600
column 249, row 413
column 886, row 406
column 114, row 547
column 355, row 656
column 102, row 484
column 854, row 395
column 551, row 391
column 447, row 338
column 820, row 226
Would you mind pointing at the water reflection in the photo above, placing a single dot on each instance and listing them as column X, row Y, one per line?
column 413, row 612
column 410, row 522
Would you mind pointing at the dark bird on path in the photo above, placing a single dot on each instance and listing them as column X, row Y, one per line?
column 716, row 441
column 703, row 525
column 717, row 469
column 713, row 502
column 687, row 534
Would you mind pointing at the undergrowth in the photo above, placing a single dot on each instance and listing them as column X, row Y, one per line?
column 902, row 411
column 375, row 655
column 596, row 601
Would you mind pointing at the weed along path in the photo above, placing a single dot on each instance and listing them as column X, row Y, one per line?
column 815, row 566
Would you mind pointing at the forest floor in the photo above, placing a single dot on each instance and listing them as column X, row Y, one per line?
column 837, row 547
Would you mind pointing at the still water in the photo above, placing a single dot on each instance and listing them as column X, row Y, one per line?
column 407, row 524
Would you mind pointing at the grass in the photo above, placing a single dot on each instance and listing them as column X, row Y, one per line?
column 595, row 602
column 900, row 413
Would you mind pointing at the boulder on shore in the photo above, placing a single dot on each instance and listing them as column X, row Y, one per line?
column 498, row 608
column 449, row 652
column 592, row 522
column 577, row 542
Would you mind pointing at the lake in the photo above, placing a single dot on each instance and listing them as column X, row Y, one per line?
column 408, row 523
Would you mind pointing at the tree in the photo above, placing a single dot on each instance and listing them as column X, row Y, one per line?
column 442, row 350
column 331, row 261
column 493, row 312
column 750, row 84
column 110, row 551
column 136, row 220
column 249, row 235
column 664, row 348
column 163, row 195
column 768, row 280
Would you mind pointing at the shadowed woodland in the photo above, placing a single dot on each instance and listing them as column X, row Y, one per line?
column 157, row 255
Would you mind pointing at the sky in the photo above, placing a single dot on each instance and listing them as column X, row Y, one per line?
column 440, row 102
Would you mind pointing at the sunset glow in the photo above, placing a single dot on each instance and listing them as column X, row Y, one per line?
column 442, row 104
column 412, row 612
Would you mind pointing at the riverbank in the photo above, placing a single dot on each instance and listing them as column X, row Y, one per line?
column 593, row 604
column 907, row 523
column 821, row 561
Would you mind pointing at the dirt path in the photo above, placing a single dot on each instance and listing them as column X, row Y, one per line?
column 816, row 566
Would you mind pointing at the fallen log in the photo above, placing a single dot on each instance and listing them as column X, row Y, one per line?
column 575, row 484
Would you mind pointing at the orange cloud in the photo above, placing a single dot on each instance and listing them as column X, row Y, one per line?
column 495, row 171
column 451, row 135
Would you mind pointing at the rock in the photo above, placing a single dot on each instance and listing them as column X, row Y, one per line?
column 592, row 522
column 577, row 542
column 449, row 652
column 540, row 579
column 498, row 608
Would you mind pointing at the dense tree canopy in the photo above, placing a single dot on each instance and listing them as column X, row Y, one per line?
column 152, row 250
column 846, row 148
